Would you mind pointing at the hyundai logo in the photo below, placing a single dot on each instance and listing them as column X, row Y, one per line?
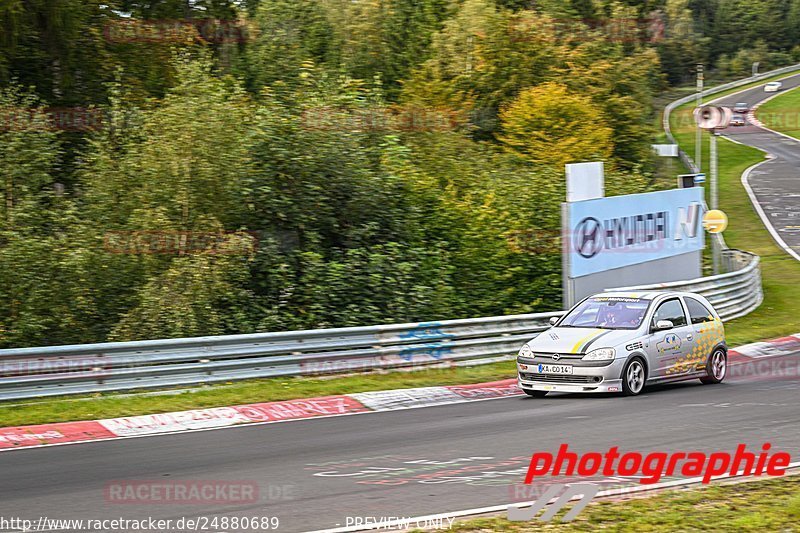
column 556, row 357
column 589, row 237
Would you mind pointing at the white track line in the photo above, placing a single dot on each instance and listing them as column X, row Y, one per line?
column 760, row 211
column 746, row 174
column 390, row 524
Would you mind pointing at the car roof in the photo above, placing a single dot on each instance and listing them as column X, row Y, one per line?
column 642, row 295
column 646, row 295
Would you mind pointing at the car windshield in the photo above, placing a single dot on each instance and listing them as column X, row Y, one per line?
column 607, row 312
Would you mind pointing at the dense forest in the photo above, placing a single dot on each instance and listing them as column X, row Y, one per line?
column 179, row 167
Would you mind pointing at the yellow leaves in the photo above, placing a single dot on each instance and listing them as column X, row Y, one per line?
column 548, row 124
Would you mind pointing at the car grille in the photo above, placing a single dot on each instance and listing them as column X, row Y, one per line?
column 558, row 378
column 547, row 357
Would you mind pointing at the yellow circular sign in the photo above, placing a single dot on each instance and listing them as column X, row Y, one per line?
column 715, row 221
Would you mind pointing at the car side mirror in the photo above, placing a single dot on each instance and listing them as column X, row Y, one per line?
column 663, row 324
column 553, row 320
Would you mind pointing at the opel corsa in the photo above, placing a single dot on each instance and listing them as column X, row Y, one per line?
column 621, row 341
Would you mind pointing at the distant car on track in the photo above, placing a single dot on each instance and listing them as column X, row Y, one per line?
column 773, row 86
column 621, row 341
column 738, row 120
column 741, row 107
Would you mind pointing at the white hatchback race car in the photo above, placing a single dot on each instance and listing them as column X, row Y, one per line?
column 620, row 341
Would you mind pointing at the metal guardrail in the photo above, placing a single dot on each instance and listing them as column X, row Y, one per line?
column 120, row 366
column 735, row 293
column 153, row 364
column 686, row 158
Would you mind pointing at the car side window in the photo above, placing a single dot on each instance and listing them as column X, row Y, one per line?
column 671, row 310
column 698, row 313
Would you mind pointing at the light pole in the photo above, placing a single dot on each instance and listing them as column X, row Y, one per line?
column 709, row 118
column 712, row 155
column 698, row 141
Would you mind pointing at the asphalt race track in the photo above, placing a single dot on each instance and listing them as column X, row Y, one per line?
column 312, row 474
column 776, row 183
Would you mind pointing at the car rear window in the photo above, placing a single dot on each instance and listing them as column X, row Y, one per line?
column 698, row 312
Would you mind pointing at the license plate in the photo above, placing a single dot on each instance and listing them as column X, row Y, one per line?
column 552, row 369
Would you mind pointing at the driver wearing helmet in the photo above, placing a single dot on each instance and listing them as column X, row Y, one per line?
column 617, row 315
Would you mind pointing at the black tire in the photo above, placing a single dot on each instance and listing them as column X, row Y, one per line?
column 716, row 367
column 535, row 393
column 634, row 376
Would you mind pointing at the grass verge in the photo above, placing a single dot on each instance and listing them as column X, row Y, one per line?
column 253, row 391
column 782, row 113
column 682, row 121
column 770, row 505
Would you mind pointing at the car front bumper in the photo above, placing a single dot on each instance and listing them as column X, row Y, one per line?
column 583, row 379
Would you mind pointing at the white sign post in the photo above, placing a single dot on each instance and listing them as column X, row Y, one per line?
column 585, row 181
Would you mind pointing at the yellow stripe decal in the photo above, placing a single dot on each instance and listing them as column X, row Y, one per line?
column 586, row 338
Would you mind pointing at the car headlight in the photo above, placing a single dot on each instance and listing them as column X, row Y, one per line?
column 525, row 351
column 601, row 354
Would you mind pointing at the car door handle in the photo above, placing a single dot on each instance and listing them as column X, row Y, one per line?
column 689, row 337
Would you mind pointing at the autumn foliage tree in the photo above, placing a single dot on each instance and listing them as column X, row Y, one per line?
column 546, row 124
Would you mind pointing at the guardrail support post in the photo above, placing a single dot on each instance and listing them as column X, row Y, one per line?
column 698, row 141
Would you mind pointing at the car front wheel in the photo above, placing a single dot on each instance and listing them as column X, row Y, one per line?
column 716, row 368
column 633, row 377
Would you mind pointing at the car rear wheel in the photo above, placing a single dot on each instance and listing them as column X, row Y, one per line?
column 634, row 377
column 535, row 393
column 717, row 367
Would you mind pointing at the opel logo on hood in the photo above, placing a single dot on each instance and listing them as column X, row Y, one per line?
column 556, row 357
column 588, row 237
